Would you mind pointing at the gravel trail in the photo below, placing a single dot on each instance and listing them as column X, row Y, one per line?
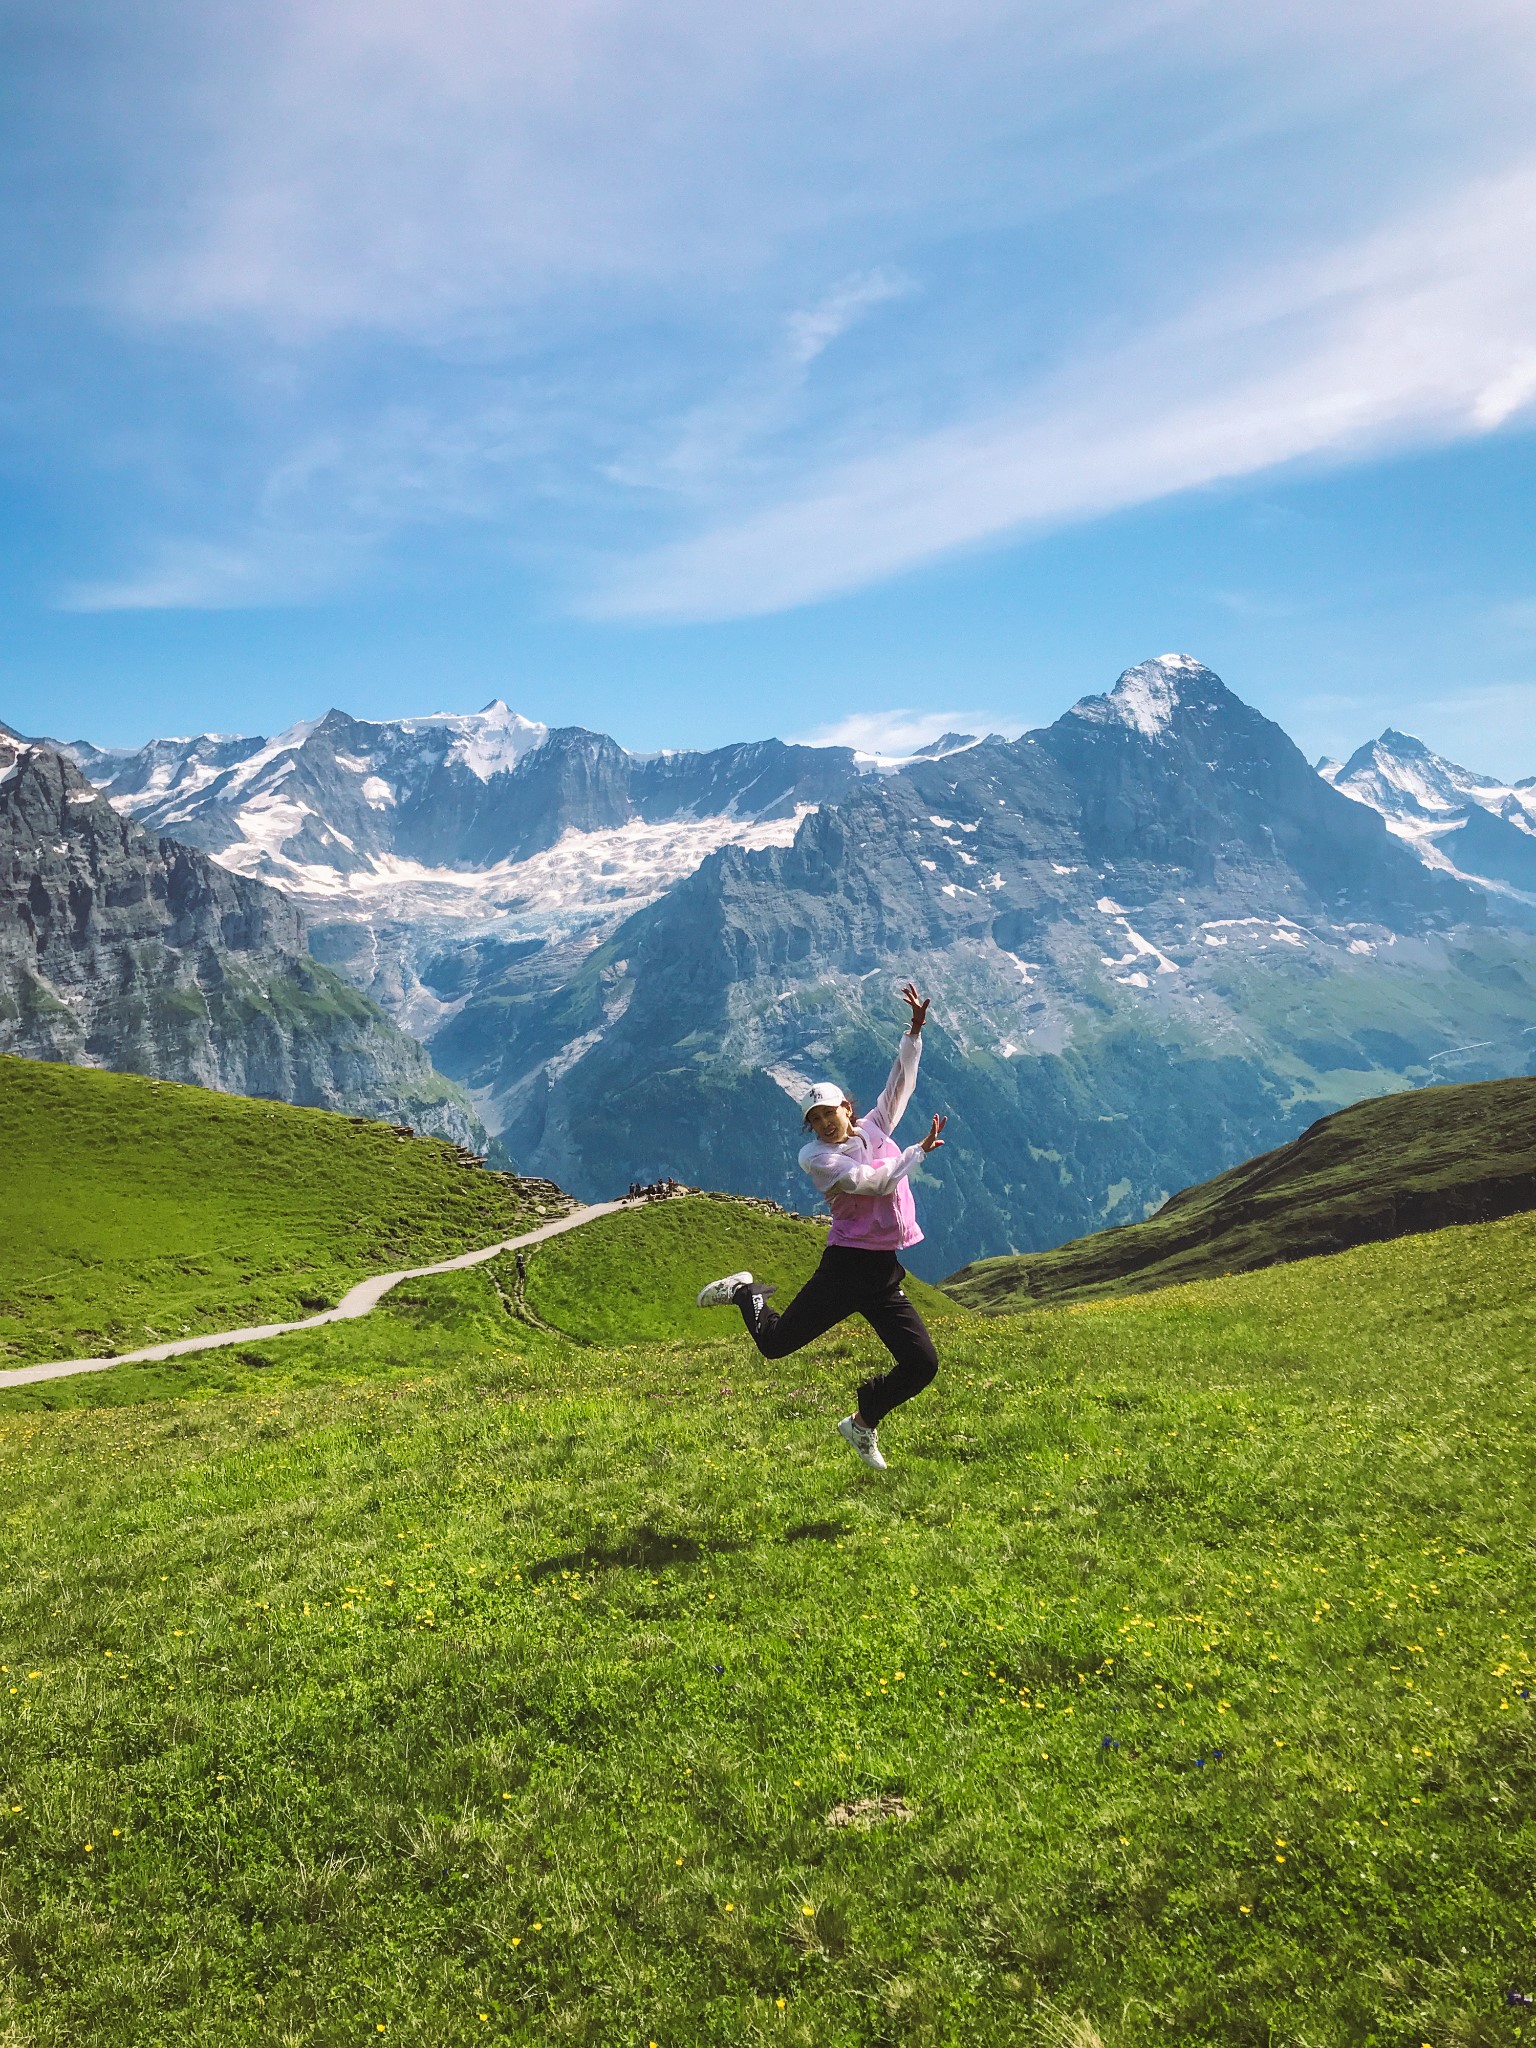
column 357, row 1301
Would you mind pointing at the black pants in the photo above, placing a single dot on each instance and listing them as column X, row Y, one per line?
column 850, row 1282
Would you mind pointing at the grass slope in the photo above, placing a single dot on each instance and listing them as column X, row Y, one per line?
column 1381, row 1169
column 443, row 1682
column 633, row 1276
column 134, row 1210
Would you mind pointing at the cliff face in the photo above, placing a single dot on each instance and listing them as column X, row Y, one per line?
column 120, row 949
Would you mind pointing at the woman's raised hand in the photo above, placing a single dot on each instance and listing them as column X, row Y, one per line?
column 933, row 1141
column 917, row 1004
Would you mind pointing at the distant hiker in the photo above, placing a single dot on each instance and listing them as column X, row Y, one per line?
column 862, row 1173
column 522, row 1268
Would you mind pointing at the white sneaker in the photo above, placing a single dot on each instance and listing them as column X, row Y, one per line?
column 863, row 1441
column 721, row 1293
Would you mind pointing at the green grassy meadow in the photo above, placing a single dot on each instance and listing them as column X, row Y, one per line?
column 436, row 1680
column 135, row 1211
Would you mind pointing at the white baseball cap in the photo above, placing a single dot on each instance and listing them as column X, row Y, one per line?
column 825, row 1095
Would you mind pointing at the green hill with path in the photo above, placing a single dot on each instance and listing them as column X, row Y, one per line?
column 134, row 1211
column 1380, row 1169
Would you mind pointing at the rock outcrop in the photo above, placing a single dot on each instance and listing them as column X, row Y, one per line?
column 120, row 949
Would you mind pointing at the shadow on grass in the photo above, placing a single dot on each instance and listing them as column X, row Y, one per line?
column 644, row 1549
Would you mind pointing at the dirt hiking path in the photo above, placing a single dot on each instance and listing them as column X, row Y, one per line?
column 357, row 1301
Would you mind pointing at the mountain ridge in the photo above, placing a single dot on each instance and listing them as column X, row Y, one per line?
column 1393, row 1167
column 1158, row 939
column 403, row 837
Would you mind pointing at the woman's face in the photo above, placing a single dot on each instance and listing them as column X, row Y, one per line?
column 832, row 1123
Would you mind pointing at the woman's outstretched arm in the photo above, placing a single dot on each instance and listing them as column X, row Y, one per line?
column 897, row 1092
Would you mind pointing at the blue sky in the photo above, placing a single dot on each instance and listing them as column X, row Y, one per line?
column 700, row 371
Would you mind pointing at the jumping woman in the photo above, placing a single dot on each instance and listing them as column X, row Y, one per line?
column 862, row 1174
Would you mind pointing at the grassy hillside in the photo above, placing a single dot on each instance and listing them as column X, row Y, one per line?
column 438, row 1681
column 1378, row 1170
column 633, row 1276
column 134, row 1210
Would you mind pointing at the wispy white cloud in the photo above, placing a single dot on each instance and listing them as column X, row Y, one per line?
column 410, row 167
column 815, row 328
column 1424, row 332
column 395, row 164
column 322, row 507
column 899, row 733
column 188, row 574
column 764, row 400
column 576, row 275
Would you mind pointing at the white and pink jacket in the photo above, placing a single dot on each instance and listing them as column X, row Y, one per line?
column 864, row 1180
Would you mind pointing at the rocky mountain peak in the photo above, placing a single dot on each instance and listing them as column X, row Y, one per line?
column 1400, row 761
column 1405, row 743
column 1148, row 697
column 488, row 742
column 1475, row 827
column 1398, row 774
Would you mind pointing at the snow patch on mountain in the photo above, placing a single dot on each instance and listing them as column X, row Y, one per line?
column 1146, row 697
column 279, row 750
column 488, row 742
column 1141, row 948
column 268, row 823
column 586, row 881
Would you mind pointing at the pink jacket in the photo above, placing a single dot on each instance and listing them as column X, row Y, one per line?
column 864, row 1180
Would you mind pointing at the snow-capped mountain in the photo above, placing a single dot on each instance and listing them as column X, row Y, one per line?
column 333, row 797
column 404, row 837
column 1471, row 826
column 1156, row 940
